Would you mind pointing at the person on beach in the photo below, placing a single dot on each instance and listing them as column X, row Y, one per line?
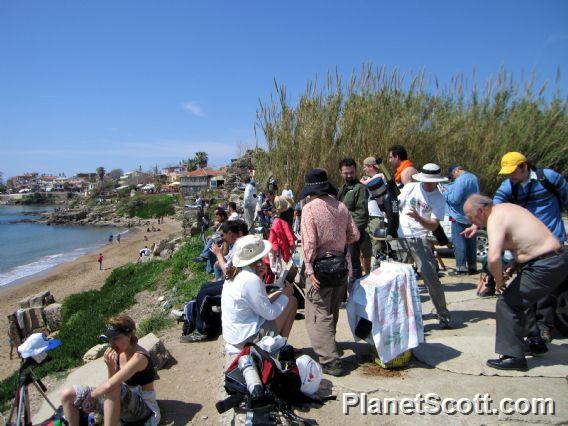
column 540, row 262
column 110, row 238
column 128, row 395
column 118, row 238
column 100, row 260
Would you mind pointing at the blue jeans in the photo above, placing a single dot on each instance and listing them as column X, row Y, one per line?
column 209, row 256
column 465, row 249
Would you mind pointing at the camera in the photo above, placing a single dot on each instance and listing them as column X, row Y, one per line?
column 217, row 239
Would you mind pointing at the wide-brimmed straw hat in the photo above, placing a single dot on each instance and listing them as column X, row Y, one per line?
column 431, row 173
column 316, row 183
column 249, row 249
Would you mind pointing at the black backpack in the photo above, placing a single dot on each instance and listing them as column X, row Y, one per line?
column 281, row 387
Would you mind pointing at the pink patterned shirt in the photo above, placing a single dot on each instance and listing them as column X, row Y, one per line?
column 327, row 227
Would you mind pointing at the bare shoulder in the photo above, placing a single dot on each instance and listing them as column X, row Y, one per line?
column 406, row 175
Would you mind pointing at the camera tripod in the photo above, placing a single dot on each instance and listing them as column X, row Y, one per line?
column 22, row 401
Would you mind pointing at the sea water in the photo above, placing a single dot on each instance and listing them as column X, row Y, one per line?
column 29, row 248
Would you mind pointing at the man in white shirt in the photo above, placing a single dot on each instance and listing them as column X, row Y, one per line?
column 232, row 210
column 249, row 202
column 287, row 192
column 422, row 207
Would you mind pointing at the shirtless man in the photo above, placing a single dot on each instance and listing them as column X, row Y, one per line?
column 541, row 265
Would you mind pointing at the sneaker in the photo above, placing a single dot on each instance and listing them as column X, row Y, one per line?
column 334, row 368
column 487, row 292
column 194, row 337
column 535, row 346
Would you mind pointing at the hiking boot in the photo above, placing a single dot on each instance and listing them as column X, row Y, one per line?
column 535, row 346
column 445, row 325
column 472, row 272
column 334, row 368
column 508, row 363
column 487, row 292
column 194, row 337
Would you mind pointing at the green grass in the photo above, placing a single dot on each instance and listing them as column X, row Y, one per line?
column 148, row 206
column 84, row 314
column 156, row 321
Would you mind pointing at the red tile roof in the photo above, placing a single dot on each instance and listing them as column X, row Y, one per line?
column 204, row 172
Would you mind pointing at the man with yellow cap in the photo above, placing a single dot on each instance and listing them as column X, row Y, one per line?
column 544, row 193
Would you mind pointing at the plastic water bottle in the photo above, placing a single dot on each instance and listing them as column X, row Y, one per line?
column 91, row 420
column 247, row 367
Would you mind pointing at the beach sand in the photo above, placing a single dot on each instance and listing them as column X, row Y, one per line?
column 77, row 276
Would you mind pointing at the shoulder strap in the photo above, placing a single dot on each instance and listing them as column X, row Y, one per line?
column 550, row 187
column 514, row 193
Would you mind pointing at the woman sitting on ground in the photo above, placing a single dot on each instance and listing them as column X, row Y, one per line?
column 128, row 395
column 247, row 312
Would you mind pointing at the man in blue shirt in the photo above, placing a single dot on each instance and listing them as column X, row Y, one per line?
column 543, row 193
column 465, row 249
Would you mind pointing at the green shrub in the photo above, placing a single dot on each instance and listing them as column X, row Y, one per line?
column 148, row 206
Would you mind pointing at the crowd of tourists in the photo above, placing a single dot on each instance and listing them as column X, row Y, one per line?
column 249, row 251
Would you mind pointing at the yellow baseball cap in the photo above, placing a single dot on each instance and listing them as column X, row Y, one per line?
column 510, row 162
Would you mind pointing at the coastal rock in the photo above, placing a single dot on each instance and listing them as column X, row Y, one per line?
column 194, row 229
column 37, row 300
column 159, row 247
column 95, row 352
column 166, row 254
column 52, row 315
column 158, row 352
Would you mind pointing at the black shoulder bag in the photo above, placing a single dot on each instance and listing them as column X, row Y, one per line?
column 331, row 270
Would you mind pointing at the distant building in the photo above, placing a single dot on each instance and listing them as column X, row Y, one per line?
column 201, row 179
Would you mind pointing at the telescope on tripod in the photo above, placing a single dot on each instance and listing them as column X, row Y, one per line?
column 33, row 352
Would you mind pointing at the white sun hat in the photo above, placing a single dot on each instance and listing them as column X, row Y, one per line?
column 430, row 173
column 36, row 346
column 310, row 375
column 249, row 249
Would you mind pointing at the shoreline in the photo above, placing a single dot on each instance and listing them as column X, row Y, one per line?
column 76, row 276
column 68, row 256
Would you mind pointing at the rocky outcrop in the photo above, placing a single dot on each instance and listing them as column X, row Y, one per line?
column 158, row 353
column 52, row 316
column 37, row 300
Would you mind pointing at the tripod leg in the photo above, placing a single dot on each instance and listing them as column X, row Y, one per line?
column 42, row 393
column 28, row 411
column 16, row 404
column 20, row 406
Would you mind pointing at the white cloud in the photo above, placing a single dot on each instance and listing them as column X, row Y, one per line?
column 193, row 108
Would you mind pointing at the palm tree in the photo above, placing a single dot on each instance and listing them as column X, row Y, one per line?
column 101, row 173
column 201, row 158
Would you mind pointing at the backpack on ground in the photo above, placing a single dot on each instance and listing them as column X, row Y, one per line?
column 280, row 381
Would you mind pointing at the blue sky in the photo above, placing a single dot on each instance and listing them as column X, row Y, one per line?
column 128, row 83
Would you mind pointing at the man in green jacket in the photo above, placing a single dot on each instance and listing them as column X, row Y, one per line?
column 355, row 195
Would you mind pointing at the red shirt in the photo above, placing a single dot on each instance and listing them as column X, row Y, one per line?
column 281, row 237
column 100, row 259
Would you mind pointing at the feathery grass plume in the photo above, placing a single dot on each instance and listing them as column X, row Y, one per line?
column 458, row 122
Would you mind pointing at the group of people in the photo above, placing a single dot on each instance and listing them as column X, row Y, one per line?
column 523, row 218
